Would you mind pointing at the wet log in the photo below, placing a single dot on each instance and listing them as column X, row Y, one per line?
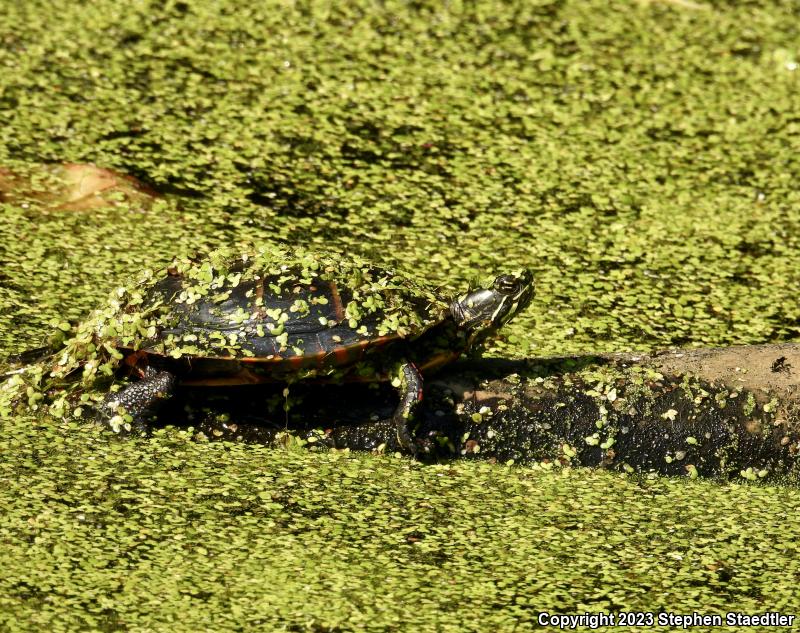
column 724, row 413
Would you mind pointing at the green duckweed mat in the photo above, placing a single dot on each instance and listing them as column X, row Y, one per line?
column 640, row 157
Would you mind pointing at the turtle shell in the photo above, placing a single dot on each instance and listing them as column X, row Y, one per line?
column 285, row 306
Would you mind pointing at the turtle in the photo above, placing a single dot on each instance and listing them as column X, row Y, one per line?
column 286, row 314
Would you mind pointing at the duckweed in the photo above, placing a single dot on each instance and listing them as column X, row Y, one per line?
column 639, row 157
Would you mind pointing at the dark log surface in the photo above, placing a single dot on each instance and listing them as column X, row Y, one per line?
column 725, row 413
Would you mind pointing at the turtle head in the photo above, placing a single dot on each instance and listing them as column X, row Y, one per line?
column 481, row 312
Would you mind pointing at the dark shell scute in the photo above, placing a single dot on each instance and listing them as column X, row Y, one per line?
column 267, row 307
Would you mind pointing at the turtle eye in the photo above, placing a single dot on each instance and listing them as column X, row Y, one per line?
column 506, row 284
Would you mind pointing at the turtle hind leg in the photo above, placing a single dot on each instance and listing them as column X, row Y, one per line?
column 410, row 396
column 128, row 409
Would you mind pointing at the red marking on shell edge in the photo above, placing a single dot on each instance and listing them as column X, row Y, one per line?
column 243, row 377
column 342, row 355
column 381, row 340
column 337, row 302
column 132, row 360
column 439, row 360
column 136, row 362
column 318, row 359
column 260, row 289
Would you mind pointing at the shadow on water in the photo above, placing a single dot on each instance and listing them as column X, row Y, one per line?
column 526, row 411
column 354, row 415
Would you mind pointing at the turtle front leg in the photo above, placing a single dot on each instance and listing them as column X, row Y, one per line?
column 410, row 387
column 129, row 408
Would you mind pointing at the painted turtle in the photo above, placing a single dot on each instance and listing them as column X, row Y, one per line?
column 288, row 314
